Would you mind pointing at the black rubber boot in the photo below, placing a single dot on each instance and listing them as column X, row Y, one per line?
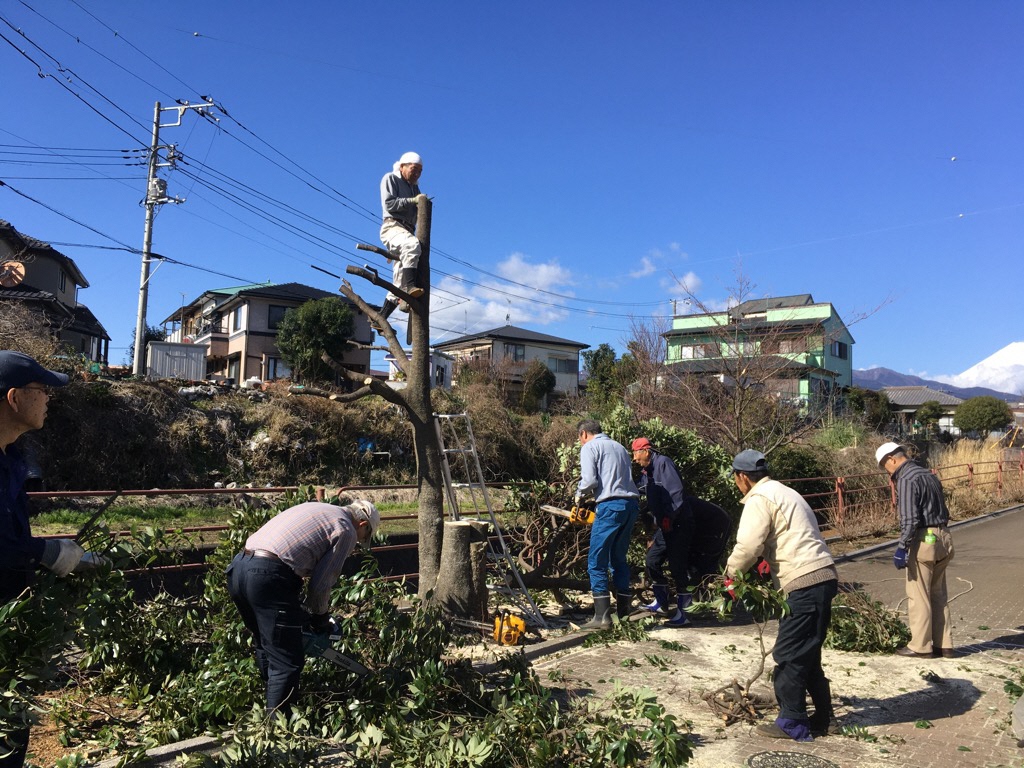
column 623, row 603
column 386, row 309
column 409, row 282
column 602, row 613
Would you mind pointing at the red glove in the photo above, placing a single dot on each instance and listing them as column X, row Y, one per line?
column 763, row 568
column 666, row 525
column 727, row 587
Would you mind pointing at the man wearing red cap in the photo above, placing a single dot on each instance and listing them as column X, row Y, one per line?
column 661, row 482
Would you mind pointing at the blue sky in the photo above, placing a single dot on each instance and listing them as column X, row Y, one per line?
column 583, row 158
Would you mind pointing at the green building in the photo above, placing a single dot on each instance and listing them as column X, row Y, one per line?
column 789, row 346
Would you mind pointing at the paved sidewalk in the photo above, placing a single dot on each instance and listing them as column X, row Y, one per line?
column 917, row 713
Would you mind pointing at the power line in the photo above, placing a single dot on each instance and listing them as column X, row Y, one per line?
column 42, row 73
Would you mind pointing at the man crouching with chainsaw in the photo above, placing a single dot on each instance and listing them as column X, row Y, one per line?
column 308, row 541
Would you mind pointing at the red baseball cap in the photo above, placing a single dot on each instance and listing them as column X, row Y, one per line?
column 642, row 443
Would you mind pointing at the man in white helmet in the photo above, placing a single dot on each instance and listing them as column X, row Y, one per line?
column 925, row 550
column 399, row 198
column 307, row 543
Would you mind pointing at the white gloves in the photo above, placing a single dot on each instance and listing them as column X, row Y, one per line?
column 69, row 556
column 90, row 562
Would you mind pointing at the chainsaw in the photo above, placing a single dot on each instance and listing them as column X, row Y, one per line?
column 580, row 514
column 321, row 646
column 507, row 630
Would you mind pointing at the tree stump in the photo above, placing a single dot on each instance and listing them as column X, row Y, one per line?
column 461, row 589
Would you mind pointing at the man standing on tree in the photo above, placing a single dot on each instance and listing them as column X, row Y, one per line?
column 608, row 479
column 661, row 482
column 309, row 541
column 24, row 397
column 925, row 549
column 777, row 523
column 399, row 197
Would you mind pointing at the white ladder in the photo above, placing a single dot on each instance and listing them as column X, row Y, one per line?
column 455, row 436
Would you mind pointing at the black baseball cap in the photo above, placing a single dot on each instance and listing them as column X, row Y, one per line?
column 18, row 369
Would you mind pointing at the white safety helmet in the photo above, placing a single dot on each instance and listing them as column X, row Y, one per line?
column 884, row 450
column 364, row 510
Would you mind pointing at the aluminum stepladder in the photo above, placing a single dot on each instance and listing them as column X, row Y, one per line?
column 455, row 436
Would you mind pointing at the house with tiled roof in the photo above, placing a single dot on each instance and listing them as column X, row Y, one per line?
column 510, row 350
column 905, row 402
column 791, row 346
column 238, row 326
column 36, row 275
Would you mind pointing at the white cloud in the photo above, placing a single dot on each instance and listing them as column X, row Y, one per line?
column 646, row 268
column 460, row 308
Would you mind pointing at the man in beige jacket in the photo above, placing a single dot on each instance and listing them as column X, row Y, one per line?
column 778, row 525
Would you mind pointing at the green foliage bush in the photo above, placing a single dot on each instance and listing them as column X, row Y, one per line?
column 187, row 666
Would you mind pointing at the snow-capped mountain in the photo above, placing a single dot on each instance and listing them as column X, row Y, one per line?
column 1003, row 371
column 1000, row 375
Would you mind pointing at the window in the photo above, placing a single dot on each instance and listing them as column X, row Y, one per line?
column 236, row 318
column 840, row 350
column 517, row 352
column 276, row 368
column 63, row 279
column 275, row 315
column 793, row 345
column 561, row 365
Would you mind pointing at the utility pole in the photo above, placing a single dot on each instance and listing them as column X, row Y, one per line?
column 156, row 194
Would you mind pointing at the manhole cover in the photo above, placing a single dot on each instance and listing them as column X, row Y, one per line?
column 788, row 760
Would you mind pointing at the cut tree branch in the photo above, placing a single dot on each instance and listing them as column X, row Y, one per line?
column 370, row 385
column 376, row 249
column 299, row 389
column 371, row 275
column 371, row 347
column 396, row 350
column 350, row 397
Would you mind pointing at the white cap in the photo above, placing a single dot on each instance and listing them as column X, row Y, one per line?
column 364, row 510
column 885, row 449
column 409, row 158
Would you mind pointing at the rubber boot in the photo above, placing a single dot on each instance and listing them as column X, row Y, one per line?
column 409, row 282
column 682, row 618
column 386, row 309
column 661, row 599
column 602, row 613
column 623, row 603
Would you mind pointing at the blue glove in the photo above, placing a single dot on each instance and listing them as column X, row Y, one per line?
column 900, row 559
column 314, row 644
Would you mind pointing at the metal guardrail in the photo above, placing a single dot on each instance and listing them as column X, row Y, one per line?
column 320, row 491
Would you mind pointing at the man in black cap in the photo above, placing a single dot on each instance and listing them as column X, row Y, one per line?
column 24, row 395
column 780, row 526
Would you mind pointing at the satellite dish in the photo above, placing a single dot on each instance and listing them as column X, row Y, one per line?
column 11, row 273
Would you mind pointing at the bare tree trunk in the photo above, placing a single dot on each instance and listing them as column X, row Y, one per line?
column 462, row 586
column 415, row 398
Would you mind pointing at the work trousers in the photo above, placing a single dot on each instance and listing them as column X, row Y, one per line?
column 673, row 547
column 927, row 608
column 19, row 741
column 706, row 556
column 268, row 595
column 609, row 540
column 797, row 651
column 404, row 245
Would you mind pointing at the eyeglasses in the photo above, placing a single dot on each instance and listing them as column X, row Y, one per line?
column 38, row 388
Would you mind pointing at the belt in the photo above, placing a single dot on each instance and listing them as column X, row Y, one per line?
column 619, row 498
column 402, row 224
column 264, row 553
